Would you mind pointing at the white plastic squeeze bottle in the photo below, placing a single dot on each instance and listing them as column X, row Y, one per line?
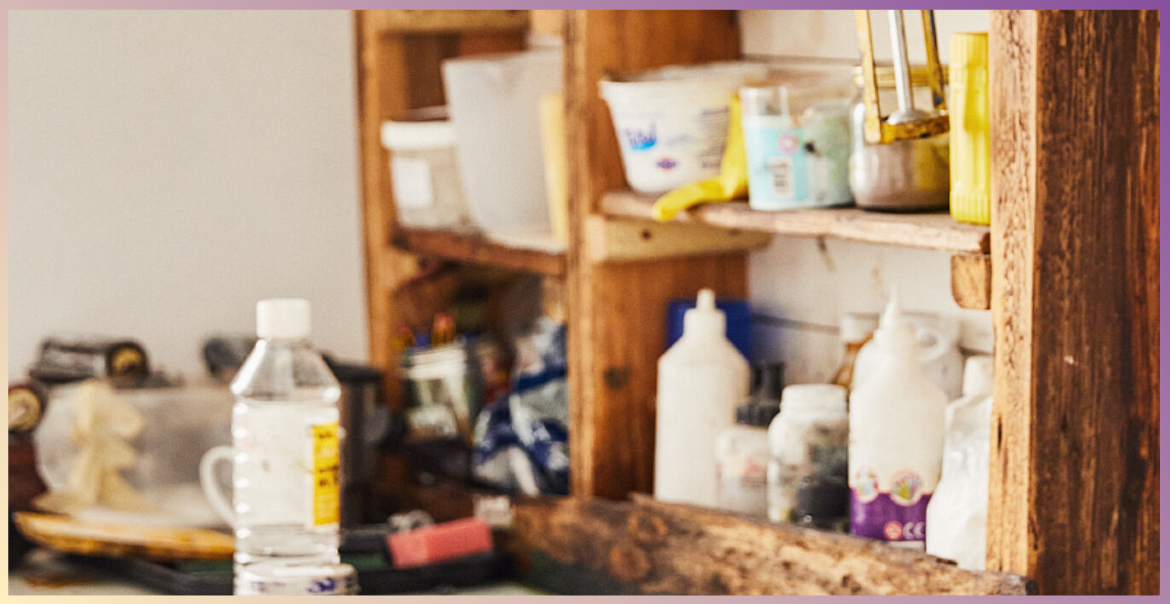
column 701, row 379
column 896, row 430
column 285, row 441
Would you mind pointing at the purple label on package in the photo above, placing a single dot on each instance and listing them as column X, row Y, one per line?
column 898, row 516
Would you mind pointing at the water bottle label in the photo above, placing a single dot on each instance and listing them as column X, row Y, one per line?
column 326, row 465
column 898, row 517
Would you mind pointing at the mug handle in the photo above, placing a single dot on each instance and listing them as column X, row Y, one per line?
column 211, row 490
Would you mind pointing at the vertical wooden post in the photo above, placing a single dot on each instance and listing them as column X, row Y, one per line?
column 617, row 312
column 1075, row 159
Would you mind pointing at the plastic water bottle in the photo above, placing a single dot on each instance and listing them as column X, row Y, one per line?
column 285, row 444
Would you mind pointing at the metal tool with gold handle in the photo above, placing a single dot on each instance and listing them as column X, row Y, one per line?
column 907, row 122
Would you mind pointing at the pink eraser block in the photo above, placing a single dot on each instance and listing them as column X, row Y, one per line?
column 439, row 542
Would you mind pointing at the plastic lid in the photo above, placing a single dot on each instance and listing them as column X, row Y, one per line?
column 283, row 318
column 856, row 327
column 753, row 414
column 282, row 578
column 979, row 375
column 704, row 319
column 814, row 398
column 418, row 136
column 969, row 49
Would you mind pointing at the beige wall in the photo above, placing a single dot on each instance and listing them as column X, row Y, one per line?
column 167, row 169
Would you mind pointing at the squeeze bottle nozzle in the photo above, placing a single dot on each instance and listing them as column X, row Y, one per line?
column 895, row 333
column 705, row 318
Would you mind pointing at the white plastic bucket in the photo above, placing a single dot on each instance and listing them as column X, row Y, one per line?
column 494, row 101
column 671, row 124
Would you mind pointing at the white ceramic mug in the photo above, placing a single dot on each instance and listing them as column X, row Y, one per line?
column 211, row 489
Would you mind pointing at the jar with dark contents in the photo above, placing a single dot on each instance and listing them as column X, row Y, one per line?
column 809, row 437
column 822, row 502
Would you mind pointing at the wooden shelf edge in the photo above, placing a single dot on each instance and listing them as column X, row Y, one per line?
column 448, row 21
column 933, row 231
column 478, row 249
column 586, row 545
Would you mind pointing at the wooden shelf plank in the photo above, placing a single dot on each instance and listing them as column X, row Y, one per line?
column 577, row 545
column 449, row 21
column 934, row 231
column 478, row 249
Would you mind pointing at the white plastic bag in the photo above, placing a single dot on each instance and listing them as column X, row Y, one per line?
column 956, row 518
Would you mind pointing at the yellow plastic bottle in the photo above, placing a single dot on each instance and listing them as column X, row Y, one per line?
column 970, row 129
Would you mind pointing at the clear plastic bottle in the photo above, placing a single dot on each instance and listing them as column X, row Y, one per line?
column 286, row 444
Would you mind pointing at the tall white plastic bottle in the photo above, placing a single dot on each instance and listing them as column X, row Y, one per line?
column 896, row 428
column 286, row 444
column 701, row 379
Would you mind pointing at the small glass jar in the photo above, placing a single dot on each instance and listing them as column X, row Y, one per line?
column 797, row 143
column 809, row 437
column 902, row 176
column 424, row 174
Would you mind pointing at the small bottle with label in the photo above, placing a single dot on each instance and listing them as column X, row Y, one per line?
column 741, row 451
column 286, row 445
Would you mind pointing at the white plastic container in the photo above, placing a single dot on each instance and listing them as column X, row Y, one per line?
column 938, row 352
column 807, row 439
column 701, row 379
column 494, row 101
column 895, row 439
column 671, row 124
column 424, row 175
column 957, row 514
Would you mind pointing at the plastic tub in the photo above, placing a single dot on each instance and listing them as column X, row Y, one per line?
column 424, row 175
column 671, row 124
column 495, row 105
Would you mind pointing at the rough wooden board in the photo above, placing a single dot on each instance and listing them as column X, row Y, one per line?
column 1075, row 214
column 479, row 250
column 65, row 534
column 617, row 311
column 971, row 281
column 657, row 548
column 429, row 21
column 623, row 240
column 935, row 231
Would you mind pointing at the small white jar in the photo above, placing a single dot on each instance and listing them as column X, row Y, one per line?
column 809, row 437
column 741, row 461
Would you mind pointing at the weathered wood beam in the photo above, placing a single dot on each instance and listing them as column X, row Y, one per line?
column 592, row 546
column 971, row 281
column 1075, row 217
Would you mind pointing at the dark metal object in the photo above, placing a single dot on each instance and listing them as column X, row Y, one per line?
column 70, row 359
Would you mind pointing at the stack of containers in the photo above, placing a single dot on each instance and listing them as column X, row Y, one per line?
column 671, row 124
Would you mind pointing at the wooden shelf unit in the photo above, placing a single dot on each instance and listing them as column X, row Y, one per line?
column 1071, row 281
column 937, row 231
column 477, row 249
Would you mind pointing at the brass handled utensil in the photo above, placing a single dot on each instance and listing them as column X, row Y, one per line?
column 907, row 122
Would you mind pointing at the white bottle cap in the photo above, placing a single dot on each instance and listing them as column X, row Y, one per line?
column 798, row 399
column 283, row 318
column 705, row 319
column 979, row 375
